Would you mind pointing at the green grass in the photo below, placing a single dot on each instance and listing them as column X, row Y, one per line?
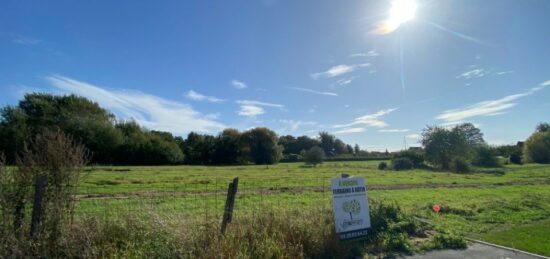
column 533, row 237
column 473, row 205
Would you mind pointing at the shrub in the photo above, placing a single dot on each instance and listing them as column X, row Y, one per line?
column 56, row 156
column 314, row 156
column 516, row 159
column 416, row 157
column 292, row 158
column 460, row 165
column 402, row 163
column 537, row 147
column 484, row 157
column 447, row 241
column 382, row 166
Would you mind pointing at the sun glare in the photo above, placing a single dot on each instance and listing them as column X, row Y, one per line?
column 401, row 12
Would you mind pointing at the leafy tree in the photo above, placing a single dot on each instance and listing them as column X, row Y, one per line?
column 77, row 116
column 485, row 157
column 261, row 145
column 227, row 147
column 327, row 143
column 441, row 145
column 543, row 127
column 356, row 150
column 199, row 149
column 314, row 156
column 537, row 146
column 473, row 135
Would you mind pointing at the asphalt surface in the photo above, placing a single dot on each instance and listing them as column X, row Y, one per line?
column 477, row 250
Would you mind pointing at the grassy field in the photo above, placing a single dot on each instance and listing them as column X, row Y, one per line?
column 482, row 205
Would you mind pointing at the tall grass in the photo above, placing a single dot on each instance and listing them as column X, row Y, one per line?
column 276, row 233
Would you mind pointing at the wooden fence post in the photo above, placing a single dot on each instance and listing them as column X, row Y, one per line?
column 39, row 189
column 229, row 203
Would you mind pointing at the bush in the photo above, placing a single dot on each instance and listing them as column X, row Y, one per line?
column 55, row 156
column 447, row 241
column 416, row 157
column 537, row 147
column 484, row 157
column 515, row 159
column 382, row 166
column 460, row 165
column 314, row 156
column 292, row 158
column 402, row 163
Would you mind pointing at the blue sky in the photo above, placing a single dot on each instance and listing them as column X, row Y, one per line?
column 298, row 67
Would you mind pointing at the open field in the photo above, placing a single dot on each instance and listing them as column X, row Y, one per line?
column 474, row 205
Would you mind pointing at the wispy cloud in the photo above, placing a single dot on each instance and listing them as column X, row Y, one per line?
column 200, row 97
column 368, row 54
column 393, row 130
column 486, row 108
column 474, row 73
column 413, row 136
column 148, row 110
column 370, row 120
column 252, row 109
column 18, row 39
column 238, row 84
column 258, row 103
column 294, row 125
column 338, row 70
column 504, row 72
column 343, row 82
column 350, row 130
column 312, row 91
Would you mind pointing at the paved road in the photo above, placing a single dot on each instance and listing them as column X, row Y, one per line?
column 476, row 250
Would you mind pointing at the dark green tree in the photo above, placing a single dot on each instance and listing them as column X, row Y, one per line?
column 261, row 146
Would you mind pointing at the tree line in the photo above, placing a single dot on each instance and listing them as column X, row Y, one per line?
column 125, row 142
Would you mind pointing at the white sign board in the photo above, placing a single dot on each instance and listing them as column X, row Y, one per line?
column 350, row 206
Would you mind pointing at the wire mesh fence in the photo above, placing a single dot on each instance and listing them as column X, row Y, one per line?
column 201, row 201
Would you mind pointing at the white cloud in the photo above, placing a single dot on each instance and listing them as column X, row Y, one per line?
column 413, row 136
column 251, row 110
column 148, row 110
column 370, row 120
column 238, row 84
column 338, row 70
column 200, row 97
column 258, row 103
column 293, row 125
column 313, row 91
column 486, row 108
column 343, row 82
column 504, row 72
column 474, row 73
column 393, row 130
column 368, row 54
column 350, row 130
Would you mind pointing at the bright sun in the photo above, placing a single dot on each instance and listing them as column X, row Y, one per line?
column 401, row 12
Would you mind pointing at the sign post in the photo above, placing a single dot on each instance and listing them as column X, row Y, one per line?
column 351, row 207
